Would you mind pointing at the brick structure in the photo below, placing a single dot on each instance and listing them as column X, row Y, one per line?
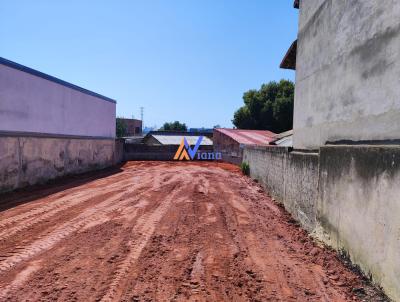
column 133, row 126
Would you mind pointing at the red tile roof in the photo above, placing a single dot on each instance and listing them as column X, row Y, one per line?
column 249, row 137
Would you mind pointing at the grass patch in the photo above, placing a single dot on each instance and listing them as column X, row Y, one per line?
column 245, row 167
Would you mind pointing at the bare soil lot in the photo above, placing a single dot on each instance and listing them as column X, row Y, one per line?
column 163, row 231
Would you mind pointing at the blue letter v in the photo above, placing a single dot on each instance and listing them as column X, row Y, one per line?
column 192, row 152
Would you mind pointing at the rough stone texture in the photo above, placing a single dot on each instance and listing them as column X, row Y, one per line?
column 359, row 208
column 30, row 160
column 290, row 177
column 301, row 187
column 347, row 72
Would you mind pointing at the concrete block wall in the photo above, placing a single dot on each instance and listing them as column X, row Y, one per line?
column 301, row 187
column 347, row 196
column 27, row 161
column 155, row 152
column 267, row 165
column 290, row 177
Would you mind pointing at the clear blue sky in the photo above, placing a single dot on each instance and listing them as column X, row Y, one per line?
column 182, row 60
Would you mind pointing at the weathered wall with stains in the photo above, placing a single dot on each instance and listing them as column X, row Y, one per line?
column 359, row 208
column 50, row 128
column 347, row 72
column 301, row 187
column 27, row 161
column 347, row 196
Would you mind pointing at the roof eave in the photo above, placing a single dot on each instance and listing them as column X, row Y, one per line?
column 289, row 60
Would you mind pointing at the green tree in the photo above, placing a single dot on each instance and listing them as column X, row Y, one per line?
column 120, row 127
column 174, row 126
column 269, row 108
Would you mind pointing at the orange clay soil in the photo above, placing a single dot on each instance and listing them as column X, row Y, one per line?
column 163, row 231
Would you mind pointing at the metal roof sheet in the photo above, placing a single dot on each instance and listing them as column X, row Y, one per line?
column 284, row 134
column 249, row 137
column 287, row 141
column 176, row 139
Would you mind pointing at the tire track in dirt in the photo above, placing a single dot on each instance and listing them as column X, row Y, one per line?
column 144, row 228
column 46, row 202
column 20, row 279
column 49, row 212
column 89, row 217
column 37, row 215
column 249, row 249
column 58, row 205
column 282, row 270
column 97, row 214
column 179, row 232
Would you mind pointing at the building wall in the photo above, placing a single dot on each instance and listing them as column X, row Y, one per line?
column 27, row 161
column 301, row 187
column 119, row 151
column 347, row 72
column 133, row 126
column 347, row 196
column 359, row 208
column 230, row 149
column 50, row 128
column 32, row 104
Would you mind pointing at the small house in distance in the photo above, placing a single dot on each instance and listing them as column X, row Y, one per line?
column 133, row 126
column 163, row 145
column 230, row 142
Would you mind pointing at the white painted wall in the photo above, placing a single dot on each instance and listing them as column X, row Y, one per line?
column 29, row 103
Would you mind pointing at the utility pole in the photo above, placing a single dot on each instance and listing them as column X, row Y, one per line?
column 141, row 116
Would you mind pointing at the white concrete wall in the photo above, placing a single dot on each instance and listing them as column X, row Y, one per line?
column 359, row 209
column 347, row 72
column 29, row 103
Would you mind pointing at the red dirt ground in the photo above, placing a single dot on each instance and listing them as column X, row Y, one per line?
column 163, row 231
